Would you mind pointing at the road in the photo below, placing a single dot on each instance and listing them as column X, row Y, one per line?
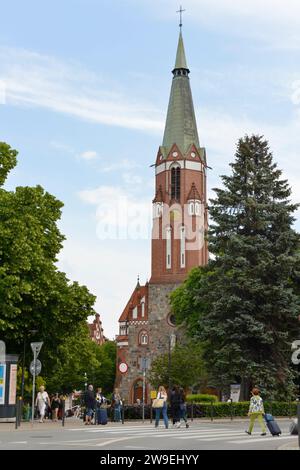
column 139, row 436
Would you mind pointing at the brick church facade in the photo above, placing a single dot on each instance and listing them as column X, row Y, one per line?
column 146, row 326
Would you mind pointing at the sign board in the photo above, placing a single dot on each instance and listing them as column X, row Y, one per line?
column 2, row 351
column 296, row 352
column 145, row 363
column 153, row 394
column 123, row 367
column 235, row 390
column 12, row 384
column 38, row 367
column 36, row 347
column 2, row 383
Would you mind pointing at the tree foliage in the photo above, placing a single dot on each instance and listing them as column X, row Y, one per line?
column 34, row 294
column 243, row 305
column 186, row 367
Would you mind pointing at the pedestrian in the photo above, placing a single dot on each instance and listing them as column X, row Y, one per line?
column 160, row 406
column 42, row 402
column 256, row 411
column 175, row 400
column 183, row 407
column 116, row 405
column 89, row 402
column 100, row 403
column 55, row 403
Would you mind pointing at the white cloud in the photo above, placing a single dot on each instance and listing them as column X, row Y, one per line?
column 37, row 80
column 88, row 155
column 123, row 164
column 274, row 22
column 120, row 215
column 109, row 270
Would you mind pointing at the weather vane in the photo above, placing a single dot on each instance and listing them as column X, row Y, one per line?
column 180, row 11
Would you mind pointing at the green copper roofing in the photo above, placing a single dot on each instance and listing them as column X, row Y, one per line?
column 180, row 62
column 181, row 127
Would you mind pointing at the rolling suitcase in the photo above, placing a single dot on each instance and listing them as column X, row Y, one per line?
column 272, row 425
column 102, row 416
column 294, row 428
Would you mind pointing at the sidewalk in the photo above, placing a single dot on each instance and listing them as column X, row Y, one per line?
column 292, row 445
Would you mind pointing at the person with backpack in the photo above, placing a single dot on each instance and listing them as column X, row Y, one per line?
column 89, row 402
column 160, row 406
column 256, row 411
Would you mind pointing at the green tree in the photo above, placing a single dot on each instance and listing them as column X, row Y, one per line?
column 243, row 305
column 79, row 355
column 185, row 369
column 34, row 294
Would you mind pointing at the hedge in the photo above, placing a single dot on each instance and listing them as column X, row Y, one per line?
column 201, row 398
column 215, row 410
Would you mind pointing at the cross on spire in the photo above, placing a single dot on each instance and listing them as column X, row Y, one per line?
column 180, row 11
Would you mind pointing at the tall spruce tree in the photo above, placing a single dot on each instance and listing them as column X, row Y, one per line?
column 251, row 307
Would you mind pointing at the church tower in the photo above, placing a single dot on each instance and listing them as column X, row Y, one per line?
column 147, row 326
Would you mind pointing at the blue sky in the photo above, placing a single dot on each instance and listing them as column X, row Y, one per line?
column 84, row 86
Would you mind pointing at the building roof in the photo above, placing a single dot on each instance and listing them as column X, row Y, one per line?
column 134, row 301
column 181, row 126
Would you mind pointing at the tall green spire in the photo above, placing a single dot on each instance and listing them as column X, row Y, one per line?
column 180, row 62
column 181, row 127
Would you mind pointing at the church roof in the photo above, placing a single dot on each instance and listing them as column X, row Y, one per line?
column 181, row 127
column 180, row 62
column 134, row 301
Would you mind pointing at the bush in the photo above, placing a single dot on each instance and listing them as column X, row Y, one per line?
column 201, row 398
column 214, row 409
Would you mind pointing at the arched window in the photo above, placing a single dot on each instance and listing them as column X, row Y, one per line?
column 143, row 338
column 175, row 183
column 168, row 248
column 182, row 247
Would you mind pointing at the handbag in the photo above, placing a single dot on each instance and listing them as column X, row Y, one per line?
column 158, row 403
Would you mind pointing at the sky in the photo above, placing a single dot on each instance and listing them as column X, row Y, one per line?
column 84, row 89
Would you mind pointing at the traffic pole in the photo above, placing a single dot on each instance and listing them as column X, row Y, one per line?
column 33, row 389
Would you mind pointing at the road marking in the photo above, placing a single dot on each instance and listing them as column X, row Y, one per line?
column 17, row 442
column 262, row 439
column 217, row 435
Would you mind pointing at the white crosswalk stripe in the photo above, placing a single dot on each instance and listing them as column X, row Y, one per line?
column 207, row 433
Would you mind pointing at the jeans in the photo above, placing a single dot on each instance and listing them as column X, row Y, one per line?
column 117, row 413
column 164, row 413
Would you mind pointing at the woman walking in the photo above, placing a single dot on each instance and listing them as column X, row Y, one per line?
column 183, row 407
column 55, row 403
column 256, row 411
column 42, row 402
column 163, row 397
column 117, row 405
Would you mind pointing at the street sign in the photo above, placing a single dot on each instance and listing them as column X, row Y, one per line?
column 36, row 347
column 123, row 367
column 145, row 363
column 296, row 353
column 38, row 367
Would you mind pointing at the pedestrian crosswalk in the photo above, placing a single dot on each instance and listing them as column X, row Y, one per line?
column 199, row 433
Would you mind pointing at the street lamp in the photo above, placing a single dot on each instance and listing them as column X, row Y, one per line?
column 85, row 381
column 25, row 337
column 171, row 346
